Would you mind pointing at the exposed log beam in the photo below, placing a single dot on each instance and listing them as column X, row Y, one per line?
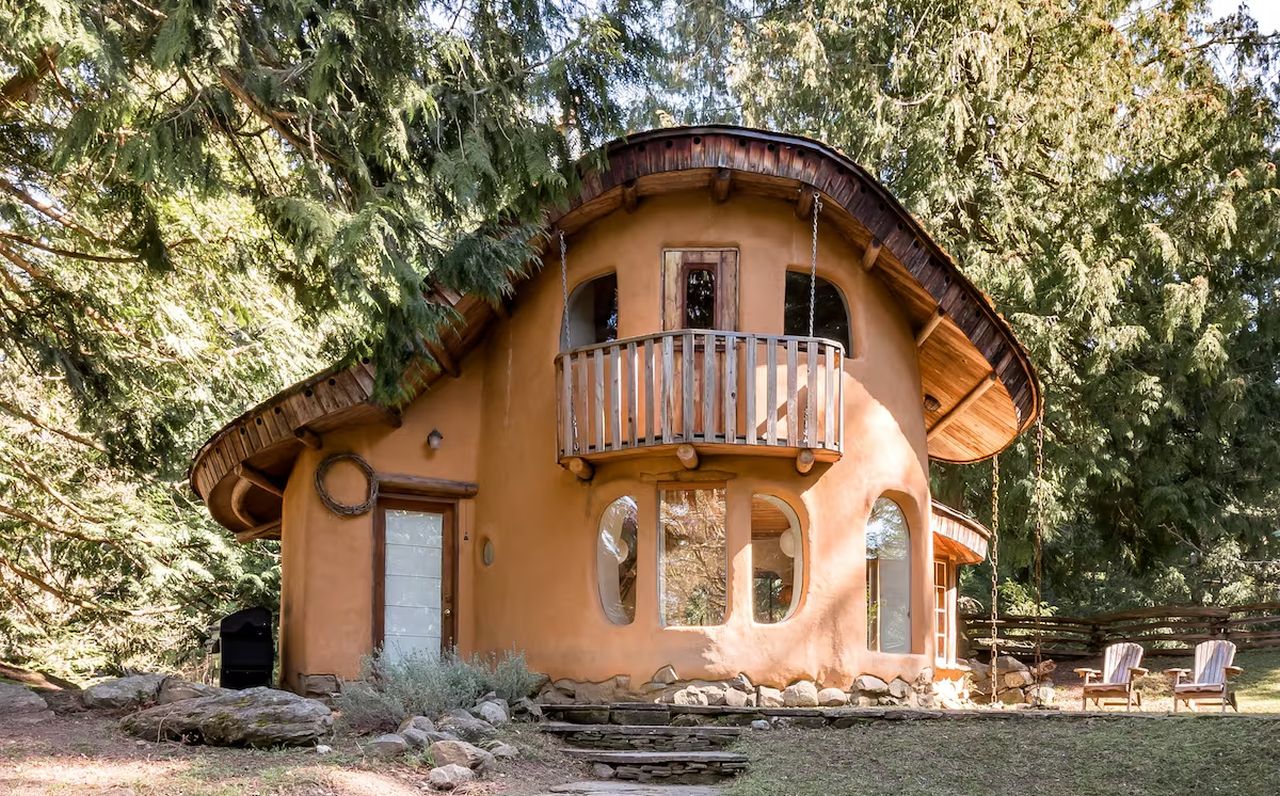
column 390, row 415
column 804, row 461
column 581, row 468
column 721, row 185
column 804, row 204
column 239, row 490
column 630, row 199
column 267, row 530
column 259, row 479
column 929, row 326
column 443, row 358
column 420, row 485
column 969, row 400
column 309, row 438
column 871, row 254
column 688, row 456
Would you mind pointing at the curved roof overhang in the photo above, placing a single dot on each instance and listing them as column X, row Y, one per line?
column 971, row 364
column 958, row 536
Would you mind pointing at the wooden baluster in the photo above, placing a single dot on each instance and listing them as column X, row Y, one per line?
column 632, row 387
column 615, row 396
column 749, row 382
column 687, row 377
column 597, row 411
column 730, row 388
column 582, row 404
column 771, row 391
column 829, row 425
column 668, row 390
column 566, row 405
column 648, row 390
column 811, row 397
column 793, row 349
column 709, row 387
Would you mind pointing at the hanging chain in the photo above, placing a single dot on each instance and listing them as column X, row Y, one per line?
column 994, row 557
column 1038, row 507
column 564, row 289
column 813, row 259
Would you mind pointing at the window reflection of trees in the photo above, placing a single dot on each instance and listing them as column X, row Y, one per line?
column 694, row 582
column 888, row 578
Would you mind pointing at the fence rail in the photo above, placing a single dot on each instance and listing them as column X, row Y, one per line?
column 1166, row 630
column 700, row 387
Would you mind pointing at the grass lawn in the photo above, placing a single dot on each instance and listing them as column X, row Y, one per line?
column 1106, row 757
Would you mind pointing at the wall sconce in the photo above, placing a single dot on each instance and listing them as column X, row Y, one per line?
column 434, row 439
column 931, row 404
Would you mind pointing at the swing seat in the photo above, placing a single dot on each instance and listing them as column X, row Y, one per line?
column 1113, row 684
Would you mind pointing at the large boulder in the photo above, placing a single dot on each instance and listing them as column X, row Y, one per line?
column 735, row 698
column 124, row 692
column 260, row 717
column 449, row 777
column 21, row 705
column 495, row 711
column 832, row 697
column 461, row 753
column 801, row 694
column 175, row 689
column 467, row 727
column 870, row 685
column 767, row 697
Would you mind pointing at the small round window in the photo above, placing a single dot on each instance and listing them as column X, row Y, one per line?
column 616, row 561
column 777, row 559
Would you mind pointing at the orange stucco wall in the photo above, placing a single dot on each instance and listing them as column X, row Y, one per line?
column 499, row 423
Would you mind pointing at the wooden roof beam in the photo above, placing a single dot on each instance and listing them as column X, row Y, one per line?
column 929, row 326
column 968, row 400
column 443, row 358
column 267, row 530
column 630, row 197
column 309, row 438
column 871, row 255
column 804, row 203
column 721, row 185
column 259, row 479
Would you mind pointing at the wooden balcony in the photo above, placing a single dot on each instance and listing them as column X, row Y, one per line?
column 701, row 392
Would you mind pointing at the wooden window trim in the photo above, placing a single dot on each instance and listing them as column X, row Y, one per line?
column 448, row 568
column 723, row 265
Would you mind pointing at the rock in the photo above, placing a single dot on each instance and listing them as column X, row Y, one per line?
column 123, row 692
column 1041, row 695
column 714, row 694
column 467, row 727
column 417, row 739
column 1013, row 696
column 524, row 706
column 63, row 702
column 925, row 677
column 175, row 689
column 461, row 753
column 21, row 705
column 689, row 695
column 602, row 771
column 870, row 685
column 494, row 711
column 865, row 701
column 449, row 777
column 389, row 745
column 760, row 724
column 666, row 675
column 321, row 749
column 1018, row 679
column 432, row 737
column 615, row 689
column 252, row 717
column 801, row 694
column 832, row 697
column 320, row 686
column 420, row 723
column 767, row 697
column 504, row 751
column 738, row 699
column 742, row 683
column 1008, row 663
column 899, row 688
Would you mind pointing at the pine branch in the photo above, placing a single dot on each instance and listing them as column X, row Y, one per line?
column 20, row 85
column 97, row 258
column 279, row 121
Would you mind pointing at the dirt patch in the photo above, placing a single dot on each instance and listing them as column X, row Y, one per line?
column 86, row 753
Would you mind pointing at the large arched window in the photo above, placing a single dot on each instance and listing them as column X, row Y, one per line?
column 830, row 315
column 616, row 560
column 593, row 312
column 777, row 559
column 888, row 578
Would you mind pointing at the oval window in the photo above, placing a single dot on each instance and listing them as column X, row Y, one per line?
column 888, row 578
column 777, row 559
column 616, row 560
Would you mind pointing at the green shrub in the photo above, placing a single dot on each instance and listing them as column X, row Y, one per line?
column 391, row 689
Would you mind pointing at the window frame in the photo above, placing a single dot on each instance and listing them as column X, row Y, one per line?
column 944, row 635
column 722, row 262
column 639, row 570
column 661, row 543
column 448, row 566
column 874, row 582
column 799, row 570
column 574, row 293
column 844, row 302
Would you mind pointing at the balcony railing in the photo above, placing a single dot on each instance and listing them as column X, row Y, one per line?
column 709, row 389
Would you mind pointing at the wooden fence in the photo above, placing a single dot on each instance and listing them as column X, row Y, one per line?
column 701, row 387
column 1161, row 630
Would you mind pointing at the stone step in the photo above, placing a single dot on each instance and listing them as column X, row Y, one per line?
column 681, row 767
column 615, row 788
column 640, row 737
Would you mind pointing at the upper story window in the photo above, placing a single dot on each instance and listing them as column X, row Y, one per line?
column 888, row 578
column 693, row 555
column 616, row 563
column 700, row 289
column 593, row 313
column 830, row 315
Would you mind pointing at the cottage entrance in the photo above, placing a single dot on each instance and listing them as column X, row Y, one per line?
column 414, row 575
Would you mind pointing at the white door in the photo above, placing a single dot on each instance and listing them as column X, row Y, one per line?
column 414, row 604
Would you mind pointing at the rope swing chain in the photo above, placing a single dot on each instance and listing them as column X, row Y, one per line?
column 813, row 260
column 995, row 572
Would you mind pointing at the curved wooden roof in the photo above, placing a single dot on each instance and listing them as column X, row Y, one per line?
column 958, row 536
column 971, row 364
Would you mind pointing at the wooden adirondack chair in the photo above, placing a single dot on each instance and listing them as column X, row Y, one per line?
column 1208, row 681
column 1119, row 666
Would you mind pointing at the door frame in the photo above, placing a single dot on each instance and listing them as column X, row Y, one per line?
column 448, row 563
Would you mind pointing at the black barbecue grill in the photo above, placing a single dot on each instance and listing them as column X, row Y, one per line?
column 247, row 651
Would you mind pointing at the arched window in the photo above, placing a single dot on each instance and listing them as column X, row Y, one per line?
column 616, row 560
column 830, row 315
column 593, row 312
column 777, row 559
column 888, row 578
